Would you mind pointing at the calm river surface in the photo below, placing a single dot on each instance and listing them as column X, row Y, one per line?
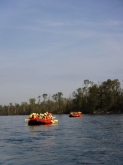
column 92, row 139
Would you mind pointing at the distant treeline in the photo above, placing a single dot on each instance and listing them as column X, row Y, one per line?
column 91, row 98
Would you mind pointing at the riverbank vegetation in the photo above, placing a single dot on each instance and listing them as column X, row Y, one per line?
column 91, row 98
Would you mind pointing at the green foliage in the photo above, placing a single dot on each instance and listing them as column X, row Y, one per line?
column 91, row 98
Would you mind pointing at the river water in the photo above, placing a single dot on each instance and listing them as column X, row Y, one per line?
column 92, row 139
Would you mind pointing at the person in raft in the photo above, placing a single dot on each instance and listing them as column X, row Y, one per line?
column 50, row 115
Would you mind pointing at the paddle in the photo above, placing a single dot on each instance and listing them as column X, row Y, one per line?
column 54, row 121
column 27, row 119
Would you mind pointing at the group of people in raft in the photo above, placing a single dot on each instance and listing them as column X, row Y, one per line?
column 46, row 116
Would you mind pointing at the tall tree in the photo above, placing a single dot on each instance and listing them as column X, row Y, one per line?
column 93, row 99
column 39, row 99
column 44, row 96
column 78, row 97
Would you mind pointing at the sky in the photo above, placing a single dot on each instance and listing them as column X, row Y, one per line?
column 51, row 46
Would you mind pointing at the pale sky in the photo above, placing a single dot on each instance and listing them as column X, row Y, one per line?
column 50, row 46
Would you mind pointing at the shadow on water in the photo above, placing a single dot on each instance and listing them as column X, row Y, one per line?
column 41, row 127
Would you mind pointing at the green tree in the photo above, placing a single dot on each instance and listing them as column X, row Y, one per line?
column 39, row 99
column 93, row 99
column 32, row 105
column 44, row 96
column 78, row 97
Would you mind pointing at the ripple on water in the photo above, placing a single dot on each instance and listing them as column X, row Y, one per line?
column 87, row 140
